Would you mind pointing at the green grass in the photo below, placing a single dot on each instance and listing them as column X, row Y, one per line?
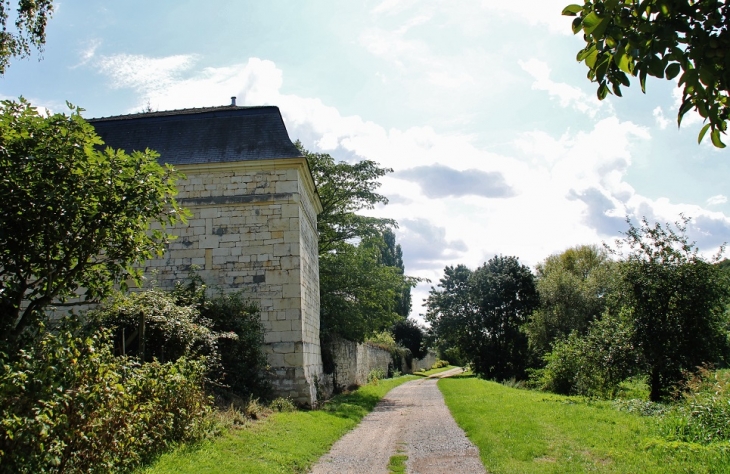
column 397, row 464
column 434, row 371
column 281, row 443
column 522, row 431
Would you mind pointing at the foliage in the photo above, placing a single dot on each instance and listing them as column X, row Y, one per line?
column 68, row 405
column 226, row 329
column 31, row 18
column 703, row 414
column 409, row 334
column 664, row 39
column 481, row 313
column 344, row 189
column 594, row 364
column 357, row 294
column 440, row 363
column 362, row 286
column 151, row 325
column 677, row 302
column 73, row 216
column 243, row 362
column 376, row 375
column 572, row 286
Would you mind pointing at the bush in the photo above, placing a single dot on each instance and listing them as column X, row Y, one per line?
column 440, row 363
column 703, row 415
column 68, row 405
column 376, row 375
column 152, row 324
column 592, row 365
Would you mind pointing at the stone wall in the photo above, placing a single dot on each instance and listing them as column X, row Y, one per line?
column 353, row 363
column 253, row 228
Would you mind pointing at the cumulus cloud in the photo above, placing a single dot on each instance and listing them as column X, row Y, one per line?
column 567, row 95
column 427, row 244
column 563, row 190
column 438, row 181
column 601, row 213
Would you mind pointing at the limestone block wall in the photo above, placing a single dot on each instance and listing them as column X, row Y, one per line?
column 425, row 363
column 353, row 362
column 253, row 228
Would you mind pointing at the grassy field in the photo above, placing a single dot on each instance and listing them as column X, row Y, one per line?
column 281, row 443
column 521, row 431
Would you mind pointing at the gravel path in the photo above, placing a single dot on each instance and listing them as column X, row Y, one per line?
column 412, row 419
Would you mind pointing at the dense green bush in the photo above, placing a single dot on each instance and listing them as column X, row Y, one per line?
column 242, row 360
column 592, row 365
column 67, row 404
column 703, row 413
column 226, row 329
column 152, row 324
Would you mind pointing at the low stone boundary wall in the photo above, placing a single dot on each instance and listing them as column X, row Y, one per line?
column 353, row 362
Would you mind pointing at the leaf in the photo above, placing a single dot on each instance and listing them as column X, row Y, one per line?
column 602, row 91
column 572, row 10
column 683, row 109
column 702, row 133
column 594, row 24
column 715, row 136
column 623, row 61
column 672, row 71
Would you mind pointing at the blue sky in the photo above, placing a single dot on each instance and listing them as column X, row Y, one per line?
column 497, row 141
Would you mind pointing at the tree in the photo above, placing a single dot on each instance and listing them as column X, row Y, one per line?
column 482, row 312
column 572, row 287
column 677, row 303
column 357, row 294
column 661, row 38
column 73, row 216
column 30, row 29
column 362, row 285
column 409, row 334
column 345, row 189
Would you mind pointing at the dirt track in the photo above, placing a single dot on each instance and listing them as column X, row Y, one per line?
column 411, row 419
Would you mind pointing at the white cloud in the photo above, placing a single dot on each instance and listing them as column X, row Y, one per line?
column 564, row 190
column 542, row 12
column 716, row 200
column 88, row 52
column 661, row 120
column 567, row 95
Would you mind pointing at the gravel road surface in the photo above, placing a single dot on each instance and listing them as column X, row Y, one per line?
column 412, row 419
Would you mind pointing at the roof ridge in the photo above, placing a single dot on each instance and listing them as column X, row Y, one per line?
column 188, row 111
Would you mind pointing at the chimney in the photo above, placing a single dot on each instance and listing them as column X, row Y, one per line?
column 233, row 101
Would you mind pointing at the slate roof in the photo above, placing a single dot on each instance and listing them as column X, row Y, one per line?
column 201, row 135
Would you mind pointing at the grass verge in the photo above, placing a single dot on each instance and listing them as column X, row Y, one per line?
column 521, row 431
column 434, row 371
column 287, row 442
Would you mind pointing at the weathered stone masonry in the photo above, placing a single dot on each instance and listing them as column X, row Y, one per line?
column 253, row 225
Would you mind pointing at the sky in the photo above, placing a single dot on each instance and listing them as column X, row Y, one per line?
column 497, row 142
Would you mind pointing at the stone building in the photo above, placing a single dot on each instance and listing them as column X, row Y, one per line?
column 253, row 226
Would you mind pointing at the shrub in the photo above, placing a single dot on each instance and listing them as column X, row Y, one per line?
column 230, row 315
column 592, row 365
column 440, row 363
column 376, row 375
column 68, row 405
column 152, row 324
column 703, row 415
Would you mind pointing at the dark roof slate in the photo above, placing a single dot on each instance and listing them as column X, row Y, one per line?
column 202, row 135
